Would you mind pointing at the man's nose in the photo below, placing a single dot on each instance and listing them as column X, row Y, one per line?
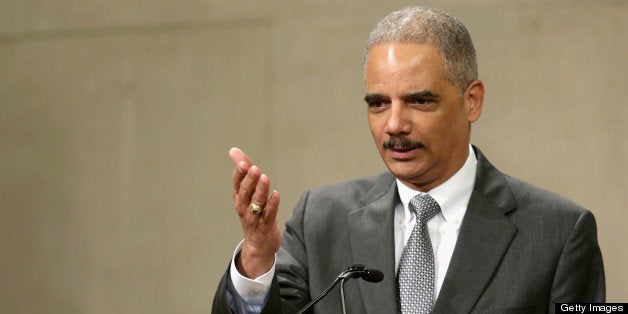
column 397, row 122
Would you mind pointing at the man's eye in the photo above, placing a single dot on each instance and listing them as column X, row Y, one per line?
column 422, row 101
column 377, row 104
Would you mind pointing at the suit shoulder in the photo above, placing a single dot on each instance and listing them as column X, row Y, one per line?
column 353, row 189
column 347, row 195
column 533, row 197
column 509, row 193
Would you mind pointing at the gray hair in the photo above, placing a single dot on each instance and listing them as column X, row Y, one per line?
column 422, row 25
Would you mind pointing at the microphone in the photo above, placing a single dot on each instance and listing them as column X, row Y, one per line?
column 358, row 271
column 354, row 271
column 373, row 275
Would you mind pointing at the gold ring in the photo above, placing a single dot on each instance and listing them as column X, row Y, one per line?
column 256, row 209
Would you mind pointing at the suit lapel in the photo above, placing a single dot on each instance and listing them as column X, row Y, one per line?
column 485, row 235
column 371, row 233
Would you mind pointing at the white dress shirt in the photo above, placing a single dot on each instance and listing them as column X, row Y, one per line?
column 452, row 196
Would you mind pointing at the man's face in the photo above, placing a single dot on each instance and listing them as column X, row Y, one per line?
column 420, row 122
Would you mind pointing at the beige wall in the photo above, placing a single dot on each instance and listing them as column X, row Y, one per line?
column 116, row 118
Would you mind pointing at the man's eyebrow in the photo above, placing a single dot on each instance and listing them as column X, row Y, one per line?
column 426, row 93
column 374, row 98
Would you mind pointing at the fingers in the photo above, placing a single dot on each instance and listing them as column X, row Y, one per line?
column 251, row 186
column 272, row 207
column 242, row 164
column 260, row 196
column 237, row 155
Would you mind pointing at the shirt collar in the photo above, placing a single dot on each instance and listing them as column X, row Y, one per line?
column 453, row 194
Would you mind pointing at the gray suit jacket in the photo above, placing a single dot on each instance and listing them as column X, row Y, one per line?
column 520, row 250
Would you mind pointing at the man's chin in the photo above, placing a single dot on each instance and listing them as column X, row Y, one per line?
column 404, row 172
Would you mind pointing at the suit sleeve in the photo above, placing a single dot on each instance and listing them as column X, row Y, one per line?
column 579, row 275
column 220, row 305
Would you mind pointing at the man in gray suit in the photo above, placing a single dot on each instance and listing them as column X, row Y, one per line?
column 496, row 244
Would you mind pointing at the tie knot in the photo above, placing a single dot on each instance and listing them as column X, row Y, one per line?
column 424, row 206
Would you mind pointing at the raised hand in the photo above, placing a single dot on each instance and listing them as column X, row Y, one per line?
column 257, row 208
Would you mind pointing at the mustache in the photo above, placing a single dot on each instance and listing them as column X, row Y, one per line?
column 401, row 143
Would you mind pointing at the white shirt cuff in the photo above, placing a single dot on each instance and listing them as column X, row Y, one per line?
column 251, row 290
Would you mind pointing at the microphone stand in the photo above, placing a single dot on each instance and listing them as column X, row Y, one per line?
column 355, row 271
column 322, row 295
column 342, row 295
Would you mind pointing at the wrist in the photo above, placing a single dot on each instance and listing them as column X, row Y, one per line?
column 253, row 265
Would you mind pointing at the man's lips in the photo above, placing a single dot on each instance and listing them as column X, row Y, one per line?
column 402, row 149
column 405, row 153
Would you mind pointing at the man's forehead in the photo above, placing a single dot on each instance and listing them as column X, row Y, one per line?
column 395, row 55
column 398, row 70
column 401, row 61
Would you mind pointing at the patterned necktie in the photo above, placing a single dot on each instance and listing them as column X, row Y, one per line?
column 416, row 269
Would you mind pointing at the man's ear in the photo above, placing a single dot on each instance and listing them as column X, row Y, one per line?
column 474, row 99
